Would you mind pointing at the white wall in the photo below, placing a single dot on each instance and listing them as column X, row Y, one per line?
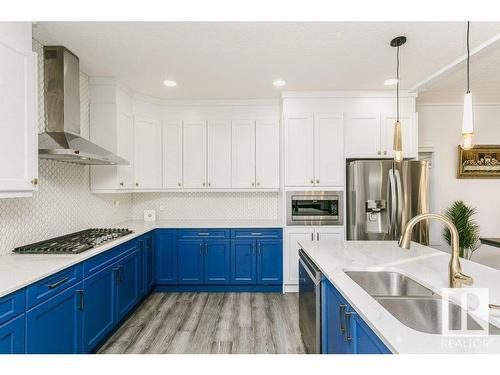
column 440, row 127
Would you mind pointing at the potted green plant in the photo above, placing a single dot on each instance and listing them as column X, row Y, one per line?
column 468, row 230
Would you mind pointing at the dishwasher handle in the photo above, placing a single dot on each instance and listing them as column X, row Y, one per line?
column 316, row 279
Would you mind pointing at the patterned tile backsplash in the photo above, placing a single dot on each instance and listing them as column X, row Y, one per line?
column 207, row 205
column 64, row 204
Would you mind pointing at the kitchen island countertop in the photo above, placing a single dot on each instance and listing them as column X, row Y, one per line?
column 428, row 266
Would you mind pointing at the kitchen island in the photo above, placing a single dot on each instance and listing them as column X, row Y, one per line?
column 427, row 266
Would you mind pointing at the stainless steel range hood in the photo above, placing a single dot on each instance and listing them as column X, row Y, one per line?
column 61, row 139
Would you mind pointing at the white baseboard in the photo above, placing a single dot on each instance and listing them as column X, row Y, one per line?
column 290, row 288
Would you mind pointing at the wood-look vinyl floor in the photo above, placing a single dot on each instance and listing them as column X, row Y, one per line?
column 217, row 323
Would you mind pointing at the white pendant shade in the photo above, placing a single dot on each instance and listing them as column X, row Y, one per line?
column 468, row 122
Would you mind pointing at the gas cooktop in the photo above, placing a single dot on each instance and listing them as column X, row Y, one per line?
column 74, row 243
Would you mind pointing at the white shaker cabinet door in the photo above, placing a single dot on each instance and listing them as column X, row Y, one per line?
column 267, row 154
column 328, row 149
column 172, row 154
column 147, row 154
column 125, row 149
column 336, row 233
column 219, row 154
column 291, row 258
column 299, row 151
column 18, row 143
column 194, row 154
column 362, row 136
column 243, row 154
column 409, row 135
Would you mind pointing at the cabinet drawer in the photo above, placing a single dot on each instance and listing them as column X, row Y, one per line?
column 257, row 233
column 103, row 260
column 50, row 286
column 12, row 304
column 203, row 233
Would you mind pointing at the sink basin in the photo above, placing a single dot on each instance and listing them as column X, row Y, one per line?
column 388, row 284
column 424, row 314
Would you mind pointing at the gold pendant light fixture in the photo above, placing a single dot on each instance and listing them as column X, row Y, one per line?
column 398, row 136
column 468, row 117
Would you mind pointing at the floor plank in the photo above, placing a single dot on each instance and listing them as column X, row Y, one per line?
column 217, row 323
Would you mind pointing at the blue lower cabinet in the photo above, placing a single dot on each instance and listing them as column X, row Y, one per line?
column 99, row 307
column 149, row 263
column 217, row 262
column 190, row 256
column 343, row 330
column 12, row 336
column 127, row 284
column 165, row 252
column 244, row 262
column 55, row 325
column 269, row 262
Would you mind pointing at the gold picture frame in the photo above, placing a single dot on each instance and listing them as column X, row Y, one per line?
column 481, row 161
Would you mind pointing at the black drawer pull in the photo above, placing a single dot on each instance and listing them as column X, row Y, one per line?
column 59, row 283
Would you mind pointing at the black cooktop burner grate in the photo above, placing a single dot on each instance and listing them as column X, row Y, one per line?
column 74, row 243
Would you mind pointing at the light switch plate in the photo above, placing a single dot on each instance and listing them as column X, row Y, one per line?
column 149, row 215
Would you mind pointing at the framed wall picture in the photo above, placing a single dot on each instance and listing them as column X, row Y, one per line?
column 481, row 161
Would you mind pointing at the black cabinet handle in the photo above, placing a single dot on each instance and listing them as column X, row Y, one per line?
column 82, row 299
column 341, row 317
column 59, row 283
column 347, row 324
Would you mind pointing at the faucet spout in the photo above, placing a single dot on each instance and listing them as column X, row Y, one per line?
column 456, row 278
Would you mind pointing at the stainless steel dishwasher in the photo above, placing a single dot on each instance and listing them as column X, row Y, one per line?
column 309, row 303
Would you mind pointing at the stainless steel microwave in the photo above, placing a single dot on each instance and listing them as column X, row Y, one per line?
column 314, row 207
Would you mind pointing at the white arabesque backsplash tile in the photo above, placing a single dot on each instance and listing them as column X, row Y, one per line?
column 208, row 205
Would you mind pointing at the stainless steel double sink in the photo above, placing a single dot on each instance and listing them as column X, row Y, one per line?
column 413, row 304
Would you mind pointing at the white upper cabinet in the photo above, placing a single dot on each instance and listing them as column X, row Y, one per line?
column 172, row 154
column 267, row 154
column 148, row 154
column 409, row 135
column 111, row 127
column 328, row 149
column 219, row 154
column 363, row 134
column 299, row 151
column 314, row 150
column 243, row 154
column 194, row 154
column 18, row 144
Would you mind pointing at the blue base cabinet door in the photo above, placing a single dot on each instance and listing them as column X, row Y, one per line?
column 244, row 262
column 12, row 336
column 343, row 330
column 217, row 262
column 364, row 340
column 333, row 321
column 99, row 307
column 127, row 283
column 269, row 262
column 165, row 245
column 55, row 326
column 190, row 262
column 149, row 267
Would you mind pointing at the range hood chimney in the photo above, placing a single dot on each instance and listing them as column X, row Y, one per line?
column 61, row 139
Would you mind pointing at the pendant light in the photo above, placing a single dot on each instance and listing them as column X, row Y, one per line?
column 468, row 117
column 398, row 142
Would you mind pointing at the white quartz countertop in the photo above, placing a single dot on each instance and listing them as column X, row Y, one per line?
column 428, row 266
column 20, row 270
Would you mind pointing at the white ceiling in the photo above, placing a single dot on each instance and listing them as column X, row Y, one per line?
column 240, row 60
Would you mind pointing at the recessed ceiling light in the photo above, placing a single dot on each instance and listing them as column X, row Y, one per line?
column 390, row 81
column 169, row 83
column 279, row 82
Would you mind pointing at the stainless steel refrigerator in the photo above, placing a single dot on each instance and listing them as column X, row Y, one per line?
column 383, row 195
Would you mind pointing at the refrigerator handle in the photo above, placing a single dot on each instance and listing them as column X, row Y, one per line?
column 392, row 199
column 399, row 198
